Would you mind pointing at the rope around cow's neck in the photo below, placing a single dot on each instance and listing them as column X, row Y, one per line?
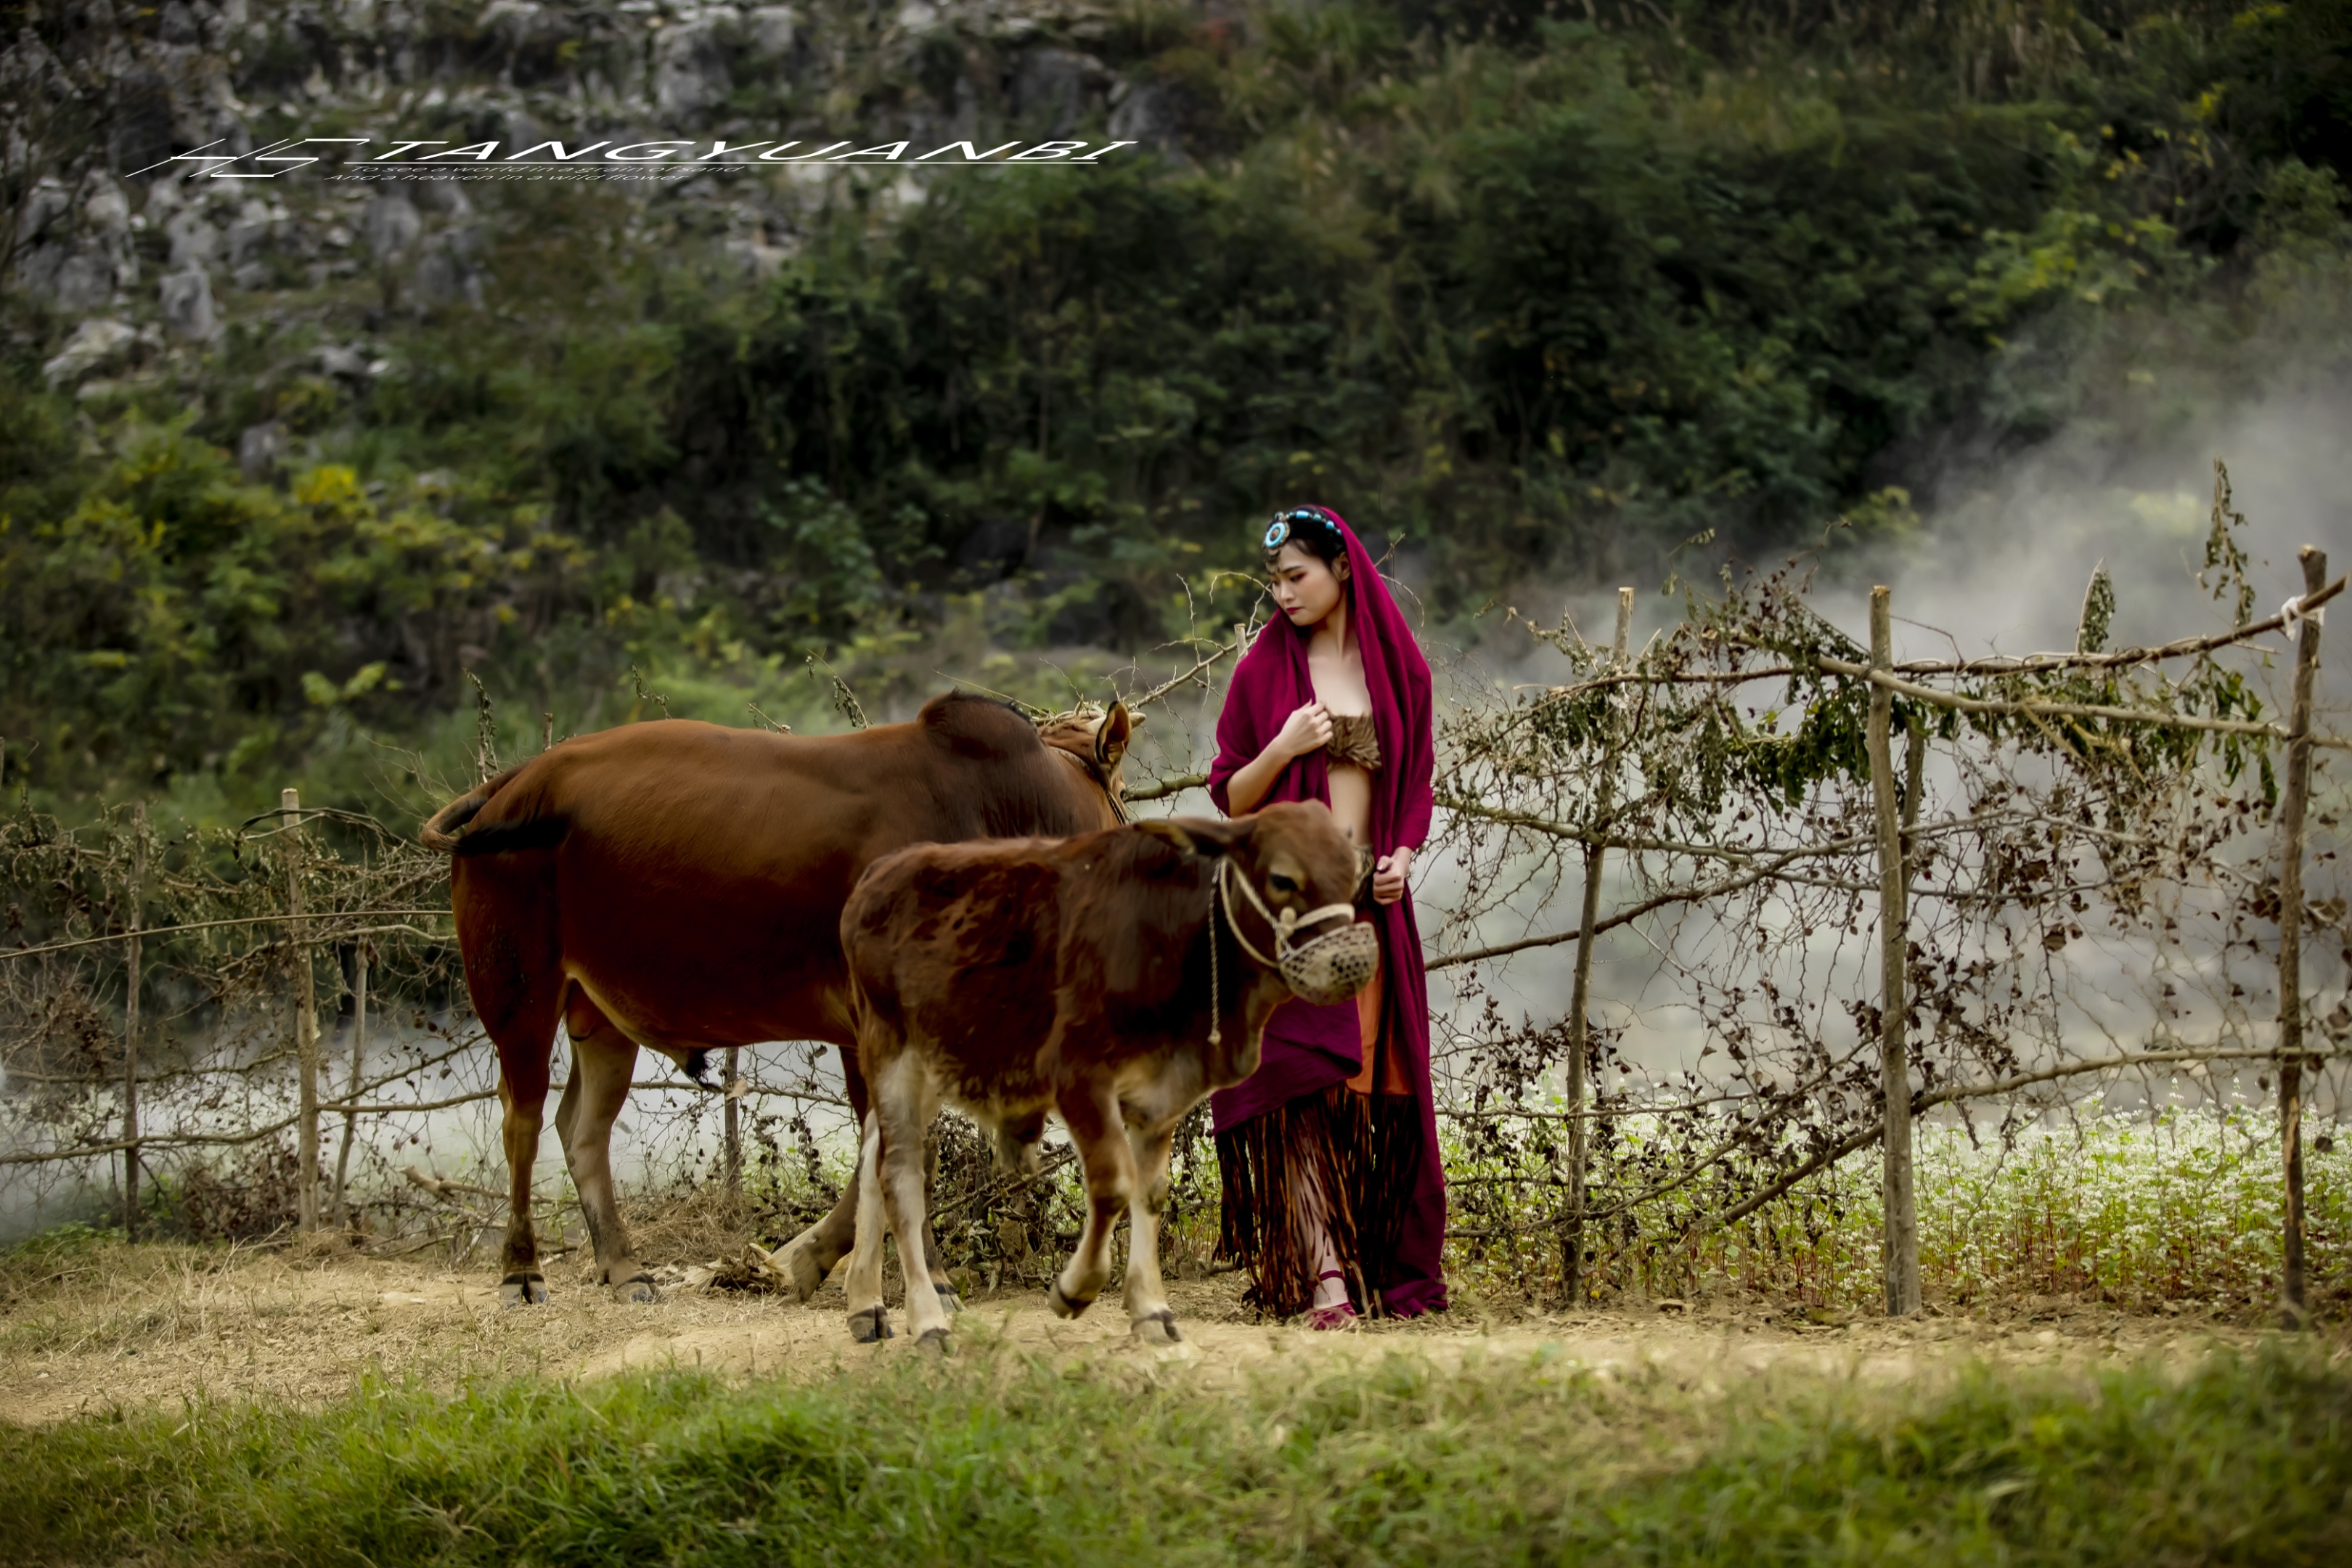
column 1216, row 1007
column 1100, row 778
column 1285, row 928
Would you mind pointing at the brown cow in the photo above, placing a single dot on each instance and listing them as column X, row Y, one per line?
column 1116, row 978
column 679, row 885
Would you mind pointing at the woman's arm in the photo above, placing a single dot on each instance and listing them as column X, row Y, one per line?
column 1417, row 767
column 1416, row 773
column 1308, row 729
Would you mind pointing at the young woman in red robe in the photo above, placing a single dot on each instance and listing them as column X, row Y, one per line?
column 1334, row 1196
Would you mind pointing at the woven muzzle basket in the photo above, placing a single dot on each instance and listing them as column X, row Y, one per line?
column 1334, row 967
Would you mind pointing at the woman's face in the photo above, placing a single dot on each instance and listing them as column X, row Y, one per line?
column 1305, row 586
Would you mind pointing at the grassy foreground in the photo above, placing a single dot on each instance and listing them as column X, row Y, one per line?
column 997, row 1457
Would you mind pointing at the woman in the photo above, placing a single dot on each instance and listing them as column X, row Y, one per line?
column 1333, row 1195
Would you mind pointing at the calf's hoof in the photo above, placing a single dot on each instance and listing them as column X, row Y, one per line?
column 870, row 1326
column 949, row 1299
column 934, row 1342
column 1157, row 1329
column 1063, row 1306
column 638, row 1289
column 522, row 1290
column 798, row 1259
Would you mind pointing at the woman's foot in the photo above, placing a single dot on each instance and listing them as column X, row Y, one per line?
column 1331, row 1309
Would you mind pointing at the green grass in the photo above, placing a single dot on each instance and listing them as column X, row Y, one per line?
column 1000, row 1457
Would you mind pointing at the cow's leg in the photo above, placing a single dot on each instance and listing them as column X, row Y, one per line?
column 603, row 1059
column 811, row 1255
column 514, row 973
column 1092, row 1113
column 522, row 1093
column 1148, row 1316
column 867, row 1319
column 903, row 1110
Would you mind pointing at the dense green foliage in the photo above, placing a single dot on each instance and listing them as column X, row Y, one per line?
column 997, row 1458
column 1522, row 296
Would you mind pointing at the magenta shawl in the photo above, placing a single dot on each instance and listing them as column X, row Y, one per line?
column 1308, row 1049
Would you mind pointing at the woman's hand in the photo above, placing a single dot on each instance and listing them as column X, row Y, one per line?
column 1308, row 729
column 1389, row 874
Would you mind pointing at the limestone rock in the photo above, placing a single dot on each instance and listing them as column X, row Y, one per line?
column 260, row 449
column 690, row 66
column 1151, row 113
column 194, row 241
column 391, row 224
column 84, row 281
column 187, row 302
column 1051, row 87
column 769, row 31
column 96, row 344
column 346, row 364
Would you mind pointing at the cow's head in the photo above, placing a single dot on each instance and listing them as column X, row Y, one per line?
column 1286, row 881
column 1096, row 738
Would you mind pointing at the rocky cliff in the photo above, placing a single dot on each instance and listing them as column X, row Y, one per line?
column 126, row 222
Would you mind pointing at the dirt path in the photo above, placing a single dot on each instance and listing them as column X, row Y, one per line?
column 157, row 1326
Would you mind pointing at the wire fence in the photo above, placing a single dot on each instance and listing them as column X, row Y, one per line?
column 1871, row 893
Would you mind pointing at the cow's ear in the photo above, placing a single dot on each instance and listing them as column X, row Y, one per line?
column 1207, row 837
column 1112, row 734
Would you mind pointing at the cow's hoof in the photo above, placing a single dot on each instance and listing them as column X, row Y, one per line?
column 870, row 1326
column 949, row 1299
column 1063, row 1306
column 798, row 1260
column 934, row 1341
column 638, row 1289
column 523, row 1291
column 1159, row 1328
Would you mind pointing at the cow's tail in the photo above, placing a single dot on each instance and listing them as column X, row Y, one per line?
column 442, row 831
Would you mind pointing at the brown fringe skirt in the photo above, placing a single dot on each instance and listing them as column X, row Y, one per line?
column 1355, row 1147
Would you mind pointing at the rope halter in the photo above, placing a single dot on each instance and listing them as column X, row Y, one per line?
column 1320, row 970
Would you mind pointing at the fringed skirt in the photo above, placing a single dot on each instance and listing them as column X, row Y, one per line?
column 1351, row 1153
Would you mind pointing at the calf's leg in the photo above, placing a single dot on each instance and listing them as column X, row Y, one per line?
column 603, row 1059
column 1092, row 1114
column 811, row 1255
column 868, row 1321
column 1148, row 1316
column 903, row 1109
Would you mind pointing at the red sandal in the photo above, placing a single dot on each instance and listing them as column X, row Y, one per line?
column 1341, row 1315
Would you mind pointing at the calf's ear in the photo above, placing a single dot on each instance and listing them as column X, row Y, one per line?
column 1207, row 837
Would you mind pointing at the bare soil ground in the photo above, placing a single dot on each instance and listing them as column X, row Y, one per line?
column 147, row 1326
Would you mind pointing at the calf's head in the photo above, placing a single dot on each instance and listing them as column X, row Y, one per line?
column 1285, row 883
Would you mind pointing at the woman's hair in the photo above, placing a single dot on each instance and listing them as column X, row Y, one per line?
column 1311, row 529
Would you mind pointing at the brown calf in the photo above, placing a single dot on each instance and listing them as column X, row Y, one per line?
column 679, row 885
column 1114, row 978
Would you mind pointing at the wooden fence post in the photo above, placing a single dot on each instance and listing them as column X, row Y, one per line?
column 2292, row 802
column 1901, row 1253
column 1572, row 1244
column 306, row 1019
column 132, row 957
column 359, row 1048
column 734, row 1124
